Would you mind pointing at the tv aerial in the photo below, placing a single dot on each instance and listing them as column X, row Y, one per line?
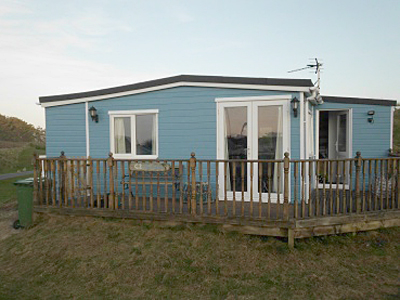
column 317, row 67
column 316, row 88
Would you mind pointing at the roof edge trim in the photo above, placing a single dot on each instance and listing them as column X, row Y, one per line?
column 356, row 100
column 86, row 97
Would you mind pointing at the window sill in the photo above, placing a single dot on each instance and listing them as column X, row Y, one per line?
column 133, row 157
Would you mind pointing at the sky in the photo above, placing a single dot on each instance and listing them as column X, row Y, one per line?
column 58, row 47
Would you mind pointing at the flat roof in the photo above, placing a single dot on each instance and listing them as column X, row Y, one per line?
column 356, row 100
column 224, row 80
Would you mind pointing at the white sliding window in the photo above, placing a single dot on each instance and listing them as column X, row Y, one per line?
column 134, row 134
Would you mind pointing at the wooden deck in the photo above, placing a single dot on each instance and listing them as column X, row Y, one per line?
column 171, row 194
column 242, row 217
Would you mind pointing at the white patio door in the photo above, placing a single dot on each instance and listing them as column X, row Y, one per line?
column 252, row 130
column 342, row 148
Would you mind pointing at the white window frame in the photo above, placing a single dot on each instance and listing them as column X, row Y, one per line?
column 252, row 103
column 132, row 114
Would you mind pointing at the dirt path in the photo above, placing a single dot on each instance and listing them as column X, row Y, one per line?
column 8, row 214
column 13, row 175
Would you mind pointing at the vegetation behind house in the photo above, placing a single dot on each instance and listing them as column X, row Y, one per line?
column 18, row 141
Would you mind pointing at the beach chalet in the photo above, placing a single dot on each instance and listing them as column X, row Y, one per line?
column 217, row 145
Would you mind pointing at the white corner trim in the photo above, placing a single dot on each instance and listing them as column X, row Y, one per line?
column 391, row 126
column 301, row 119
column 316, row 128
column 254, row 98
column 87, row 129
column 179, row 84
column 132, row 112
column 350, row 114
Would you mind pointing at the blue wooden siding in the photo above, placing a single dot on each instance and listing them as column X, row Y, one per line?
column 372, row 139
column 187, row 120
column 65, row 130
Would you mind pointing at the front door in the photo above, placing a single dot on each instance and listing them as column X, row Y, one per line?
column 252, row 130
column 342, row 134
column 335, row 144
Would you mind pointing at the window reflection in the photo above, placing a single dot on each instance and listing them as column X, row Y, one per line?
column 145, row 135
column 236, row 146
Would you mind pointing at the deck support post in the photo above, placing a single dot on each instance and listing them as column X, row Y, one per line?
column 62, row 177
column 290, row 238
column 192, row 163
column 358, row 170
column 397, row 196
column 110, row 164
column 286, row 164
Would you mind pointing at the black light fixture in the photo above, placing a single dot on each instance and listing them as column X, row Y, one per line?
column 93, row 114
column 295, row 106
column 371, row 114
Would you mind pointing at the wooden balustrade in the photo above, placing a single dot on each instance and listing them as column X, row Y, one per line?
column 254, row 190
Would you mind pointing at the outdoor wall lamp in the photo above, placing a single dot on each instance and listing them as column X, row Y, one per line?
column 93, row 114
column 371, row 114
column 295, row 106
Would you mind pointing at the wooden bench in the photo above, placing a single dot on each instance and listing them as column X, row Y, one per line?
column 146, row 173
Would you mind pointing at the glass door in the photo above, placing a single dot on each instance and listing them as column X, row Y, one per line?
column 235, row 146
column 270, row 142
column 254, row 130
column 341, row 135
column 342, row 148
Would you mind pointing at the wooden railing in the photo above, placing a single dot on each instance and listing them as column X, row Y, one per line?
column 255, row 190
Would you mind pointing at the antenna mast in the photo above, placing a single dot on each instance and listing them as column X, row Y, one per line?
column 315, row 96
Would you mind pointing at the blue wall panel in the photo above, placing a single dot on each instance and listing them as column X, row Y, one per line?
column 372, row 139
column 65, row 130
column 187, row 120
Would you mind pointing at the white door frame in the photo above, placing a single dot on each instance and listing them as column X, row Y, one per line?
column 349, row 131
column 252, row 104
column 350, row 128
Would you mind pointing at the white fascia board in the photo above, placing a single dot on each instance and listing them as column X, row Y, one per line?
column 133, row 112
column 393, row 109
column 179, row 84
column 254, row 98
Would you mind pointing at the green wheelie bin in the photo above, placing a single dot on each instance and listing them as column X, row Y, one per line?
column 25, row 203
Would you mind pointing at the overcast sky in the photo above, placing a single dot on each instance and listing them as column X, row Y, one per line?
column 57, row 46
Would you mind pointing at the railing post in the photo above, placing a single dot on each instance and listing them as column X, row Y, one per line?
column 90, row 183
column 358, row 170
column 110, row 164
column 286, row 165
column 62, row 178
column 192, row 163
column 35, row 178
column 397, row 196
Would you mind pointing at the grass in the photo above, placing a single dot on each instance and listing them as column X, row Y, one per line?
column 8, row 190
column 94, row 258
column 18, row 159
